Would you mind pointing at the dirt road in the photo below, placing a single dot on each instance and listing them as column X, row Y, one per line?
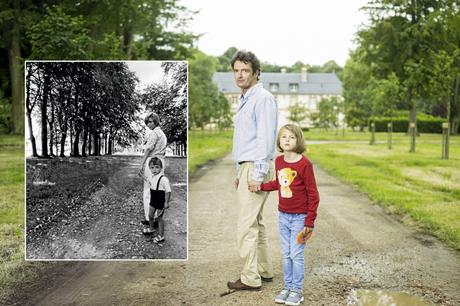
column 355, row 246
column 91, row 208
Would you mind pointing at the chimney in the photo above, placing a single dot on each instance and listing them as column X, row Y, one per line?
column 303, row 75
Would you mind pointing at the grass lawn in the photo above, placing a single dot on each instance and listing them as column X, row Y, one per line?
column 13, row 268
column 419, row 186
column 206, row 146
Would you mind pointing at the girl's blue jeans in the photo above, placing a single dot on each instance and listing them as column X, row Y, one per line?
column 292, row 253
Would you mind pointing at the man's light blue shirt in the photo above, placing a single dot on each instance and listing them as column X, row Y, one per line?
column 255, row 130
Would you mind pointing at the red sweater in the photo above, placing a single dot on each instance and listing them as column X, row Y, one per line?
column 296, row 187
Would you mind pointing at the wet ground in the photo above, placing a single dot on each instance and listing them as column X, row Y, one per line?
column 357, row 253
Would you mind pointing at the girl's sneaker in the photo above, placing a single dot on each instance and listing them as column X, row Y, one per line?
column 295, row 297
column 282, row 296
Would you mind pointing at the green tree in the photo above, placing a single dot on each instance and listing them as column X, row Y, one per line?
column 399, row 41
column 297, row 113
column 225, row 59
column 356, row 82
column 327, row 115
column 205, row 104
column 59, row 36
column 386, row 95
column 147, row 29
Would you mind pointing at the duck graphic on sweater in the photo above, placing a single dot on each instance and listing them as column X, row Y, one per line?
column 285, row 178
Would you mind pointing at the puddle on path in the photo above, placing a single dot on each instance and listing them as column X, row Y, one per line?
column 363, row 297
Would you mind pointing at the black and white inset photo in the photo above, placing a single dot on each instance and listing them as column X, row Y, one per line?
column 106, row 160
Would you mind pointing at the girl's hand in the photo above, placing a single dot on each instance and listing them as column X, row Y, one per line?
column 254, row 186
column 304, row 235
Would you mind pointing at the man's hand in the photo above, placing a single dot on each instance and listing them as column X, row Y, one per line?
column 254, row 186
column 236, row 183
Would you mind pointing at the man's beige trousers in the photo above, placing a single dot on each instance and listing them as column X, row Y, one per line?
column 252, row 237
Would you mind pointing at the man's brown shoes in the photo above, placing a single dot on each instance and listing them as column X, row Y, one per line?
column 238, row 285
column 267, row 279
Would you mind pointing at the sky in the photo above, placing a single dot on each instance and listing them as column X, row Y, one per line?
column 148, row 72
column 279, row 32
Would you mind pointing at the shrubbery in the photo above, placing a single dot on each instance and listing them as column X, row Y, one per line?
column 425, row 123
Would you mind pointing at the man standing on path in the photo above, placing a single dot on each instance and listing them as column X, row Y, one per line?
column 253, row 150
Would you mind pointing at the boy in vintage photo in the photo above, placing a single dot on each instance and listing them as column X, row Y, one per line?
column 160, row 196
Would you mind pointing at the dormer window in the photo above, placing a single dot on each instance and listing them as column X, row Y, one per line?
column 293, row 87
column 274, row 87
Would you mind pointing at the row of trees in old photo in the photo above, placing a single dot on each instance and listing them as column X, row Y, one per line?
column 89, row 106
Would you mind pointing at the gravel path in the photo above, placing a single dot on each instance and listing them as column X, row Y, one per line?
column 355, row 246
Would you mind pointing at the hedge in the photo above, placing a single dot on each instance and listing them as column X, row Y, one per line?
column 425, row 124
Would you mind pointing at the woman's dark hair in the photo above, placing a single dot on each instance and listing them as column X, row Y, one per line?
column 154, row 117
column 247, row 57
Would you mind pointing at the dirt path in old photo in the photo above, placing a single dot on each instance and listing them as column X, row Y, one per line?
column 355, row 246
column 99, row 218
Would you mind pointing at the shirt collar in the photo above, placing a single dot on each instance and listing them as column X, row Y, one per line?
column 251, row 91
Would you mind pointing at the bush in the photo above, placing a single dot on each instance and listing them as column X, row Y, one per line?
column 305, row 129
column 425, row 124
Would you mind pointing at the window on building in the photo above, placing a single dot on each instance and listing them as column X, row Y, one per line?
column 293, row 87
column 274, row 86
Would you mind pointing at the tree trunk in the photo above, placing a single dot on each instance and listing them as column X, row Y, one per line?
column 51, row 142
column 95, row 141
column 85, row 137
column 412, row 121
column 89, row 142
column 63, row 137
column 127, row 39
column 110, row 144
column 44, row 106
column 455, row 108
column 29, row 117
column 32, row 137
column 51, row 129
column 76, row 141
column 17, row 78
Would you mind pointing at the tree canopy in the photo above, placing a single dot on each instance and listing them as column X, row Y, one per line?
column 135, row 29
column 407, row 58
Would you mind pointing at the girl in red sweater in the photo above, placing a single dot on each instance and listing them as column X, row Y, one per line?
column 298, row 202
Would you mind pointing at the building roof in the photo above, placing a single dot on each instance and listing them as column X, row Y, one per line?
column 317, row 83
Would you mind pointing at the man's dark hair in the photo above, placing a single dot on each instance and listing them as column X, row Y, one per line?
column 247, row 57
